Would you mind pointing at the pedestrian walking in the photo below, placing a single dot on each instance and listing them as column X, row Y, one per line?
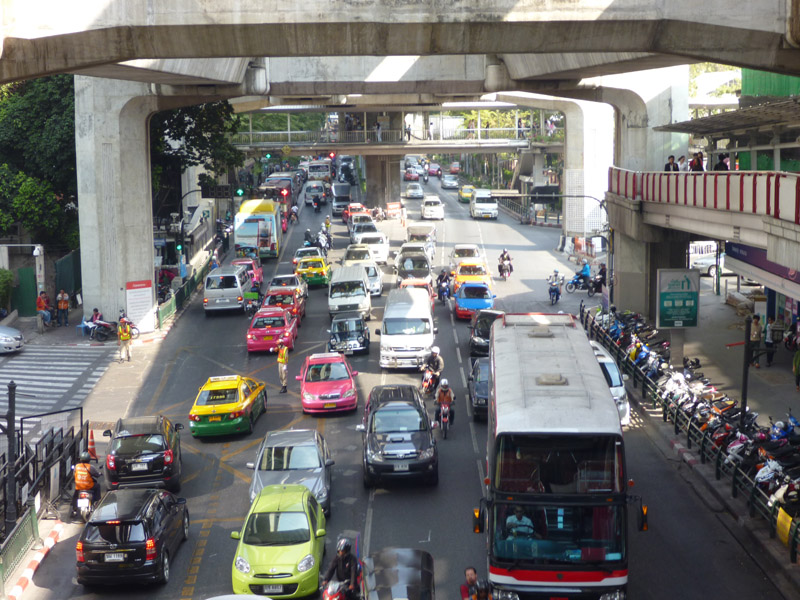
column 378, row 131
column 283, row 364
column 671, row 166
column 755, row 342
column 769, row 340
column 62, row 304
column 796, row 369
column 403, row 216
column 124, row 340
column 408, row 132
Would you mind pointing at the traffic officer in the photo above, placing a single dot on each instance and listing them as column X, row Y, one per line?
column 283, row 363
column 124, row 340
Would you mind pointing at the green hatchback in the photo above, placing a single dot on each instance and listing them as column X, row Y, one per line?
column 280, row 545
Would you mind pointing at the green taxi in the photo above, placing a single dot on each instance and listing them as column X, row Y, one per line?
column 465, row 193
column 227, row 404
column 315, row 270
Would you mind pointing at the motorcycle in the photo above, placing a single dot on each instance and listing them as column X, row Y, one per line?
column 578, row 283
column 378, row 214
column 317, row 204
column 790, row 341
column 104, row 330
column 293, row 217
column 84, row 505
column 504, row 268
column 444, row 419
column 425, row 177
column 337, row 590
column 444, row 291
column 555, row 289
column 428, row 383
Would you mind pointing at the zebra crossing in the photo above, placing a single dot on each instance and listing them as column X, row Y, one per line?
column 51, row 378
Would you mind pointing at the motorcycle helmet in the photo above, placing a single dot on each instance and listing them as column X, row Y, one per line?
column 760, row 437
column 434, row 349
column 555, row 271
column 85, row 457
column 585, row 262
column 444, row 383
column 343, row 545
column 505, row 250
column 779, row 425
column 308, row 231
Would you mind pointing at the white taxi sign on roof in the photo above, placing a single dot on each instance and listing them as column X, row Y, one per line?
column 325, row 355
column 224, row 378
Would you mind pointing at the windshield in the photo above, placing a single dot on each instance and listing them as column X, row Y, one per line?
column 484, row 323
column 413, row 264
column 465, row 252
column 268, row 322
column 323, row 168
column 371, row 271
column 206, row 397
column 483, row 372
column 346, row 289
column 327, row 372
column 365, row 227
column 350, row 325
column 544, row 534
column 311, row 264
column 289, row 458
column 475, row 293
column 558, row 464
column 472, row 270
column 372, row 239
column 276, row 529
column 147, row 443
column 360, row 254
column 400, row 326
column 396, row 420
column 114, row 533
column 613, row 376
column 221, row 282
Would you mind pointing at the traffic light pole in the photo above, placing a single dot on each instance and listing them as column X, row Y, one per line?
column 10, row 429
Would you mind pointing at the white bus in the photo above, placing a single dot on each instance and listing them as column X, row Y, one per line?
column 555, row 513
column 320, row 169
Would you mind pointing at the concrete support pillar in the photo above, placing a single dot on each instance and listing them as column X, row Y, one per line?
column 383, row 180
column 114, row 186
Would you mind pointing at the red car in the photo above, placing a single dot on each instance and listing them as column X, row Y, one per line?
column 328, row 384
column 435, row 170
column 351, row 208
column 270, row 325
column 455, row 168
column 288, row 299
column 253, row 266
column 410, row 175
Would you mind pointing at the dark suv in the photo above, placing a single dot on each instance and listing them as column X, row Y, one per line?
column 480, row 328
column 132, row 536
column 398, row 438
column 144, row 452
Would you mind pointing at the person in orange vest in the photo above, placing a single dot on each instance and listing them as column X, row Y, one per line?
column 86, row 477
column 124, row 340
column 62, row 304
column 283, row 363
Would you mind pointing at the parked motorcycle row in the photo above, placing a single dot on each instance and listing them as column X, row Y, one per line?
column 767, row 454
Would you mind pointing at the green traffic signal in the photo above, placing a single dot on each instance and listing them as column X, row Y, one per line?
column 239, row 192
column 268, row 156
column 179, row 247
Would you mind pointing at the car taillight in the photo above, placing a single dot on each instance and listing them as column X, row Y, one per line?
column 168, row 457
column 79, row 552
column 236, row 414
column 205, row 300
column 111, row 462
column 239, row 298
column 272, row 247
column 294, row 311
column 195, row 418
column 294, row 261
column 150, row 549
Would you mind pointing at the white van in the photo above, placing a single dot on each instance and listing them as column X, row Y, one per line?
column 408, row 329
column 349, row 291
column 482, row 205
column 225, row 288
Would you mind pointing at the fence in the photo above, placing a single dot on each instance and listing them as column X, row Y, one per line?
column 778, row 521
column 182, row 294
column 392, row 136
column 13, row 549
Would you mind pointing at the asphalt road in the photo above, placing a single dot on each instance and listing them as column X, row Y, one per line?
column 689, row 551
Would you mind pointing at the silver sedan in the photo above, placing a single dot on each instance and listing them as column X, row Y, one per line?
column 11, row 340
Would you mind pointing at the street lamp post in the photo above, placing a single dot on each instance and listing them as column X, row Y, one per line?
column 11, row 458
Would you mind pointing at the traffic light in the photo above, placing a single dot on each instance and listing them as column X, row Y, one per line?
column 284, row 192
column 268, row 156
column 240, row 192
column 179, row 246
column 332, row 155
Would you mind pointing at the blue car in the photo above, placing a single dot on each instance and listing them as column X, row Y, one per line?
column 472, row 297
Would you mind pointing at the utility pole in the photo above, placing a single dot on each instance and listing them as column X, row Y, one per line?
column 10, row 429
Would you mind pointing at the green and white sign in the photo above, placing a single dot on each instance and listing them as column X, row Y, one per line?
column 678, row 298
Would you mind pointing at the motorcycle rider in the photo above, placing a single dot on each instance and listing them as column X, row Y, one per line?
column 309, row 238
column 444, row 396
column 585, row 273
column 436, row 364
column 505, row 256
column 86, row 478
column 344, row 566
column 443, row 277
column 601, row 274
column 555, row 279
column 295, row 210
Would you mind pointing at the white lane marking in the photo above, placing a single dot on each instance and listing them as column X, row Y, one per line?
column 368, row 524
column 463, row 378
column 458, row 350
column 482, row 477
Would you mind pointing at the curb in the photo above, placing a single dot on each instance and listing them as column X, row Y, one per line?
column 33, row 565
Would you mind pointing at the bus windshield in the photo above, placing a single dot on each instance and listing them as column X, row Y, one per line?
column 558, row 464
column 549, row 533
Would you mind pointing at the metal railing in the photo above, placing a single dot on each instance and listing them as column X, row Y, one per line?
column 13, row 549
column 740, row 483
column 182, row 294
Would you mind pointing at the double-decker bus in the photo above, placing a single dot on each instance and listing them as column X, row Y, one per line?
column 257, row 229
column 556, row 512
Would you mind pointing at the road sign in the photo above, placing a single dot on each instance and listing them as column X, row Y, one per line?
column 287, row 150
column 678, row 298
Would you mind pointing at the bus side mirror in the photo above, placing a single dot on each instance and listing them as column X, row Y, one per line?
column 477, row 520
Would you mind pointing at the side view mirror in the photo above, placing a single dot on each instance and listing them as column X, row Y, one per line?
column 625, row 377
column 361, row 427
column 435, row 330
column 180, row 500
column 298, row 377
column 235, row 535
column 178, row 426
column 320, row 533
column 107, row 433
column 330, row 462
column 250, row 465
column 377, row 331
column 355, row 373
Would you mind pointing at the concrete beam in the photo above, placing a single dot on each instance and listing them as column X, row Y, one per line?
column 186, row 71
column 570, row 66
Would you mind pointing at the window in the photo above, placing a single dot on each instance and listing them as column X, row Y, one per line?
column 288, row 458
column 312, row 513
column 471, row 292
column 400, row 326
column 117, row 533
column 280, row 300
column 346, row 289
column 207, row 397
column 612, row 374
column 327, row 372
column 147, row 443
column 472, row 270
column 358, row 254
column 348, row 326
column 268, row 323
column 221, row 282
column 395, row 420
column 276, row 529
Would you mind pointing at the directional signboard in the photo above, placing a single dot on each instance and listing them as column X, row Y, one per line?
column 678, row 298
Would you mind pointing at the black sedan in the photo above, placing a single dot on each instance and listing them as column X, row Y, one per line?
column 478, row 388
column 132, row 536
column 144, row 452
column 479, row 329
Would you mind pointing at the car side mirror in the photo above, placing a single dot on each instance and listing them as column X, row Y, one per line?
column 320, row 533
column 180, row 500
column 250, row 465
column 107, row 433
column 355, row 373
column 178, row 426
column 328, row 330
column 494, row 296
column 377, row 331
column 435, row 330
column 235, row 535
column 361, row 427
column 625, row 377
column 330, row 462
column 298, row 377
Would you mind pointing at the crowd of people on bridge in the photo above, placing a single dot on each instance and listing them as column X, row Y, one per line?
column 696, row 164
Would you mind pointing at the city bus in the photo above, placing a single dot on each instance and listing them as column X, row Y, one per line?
column 257, row 229
column 556, row 505
column 320, row 169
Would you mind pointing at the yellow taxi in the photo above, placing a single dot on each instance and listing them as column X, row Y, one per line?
column 472, row 271
column 227, row 404
column 314, row 270
column 465, row 193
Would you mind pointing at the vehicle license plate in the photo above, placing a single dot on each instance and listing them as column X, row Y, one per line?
column 139, row 466
column 487, row 216
column 272, row 589
column 267, row 337
column 348, row 352
column 329, row 405
column 222, row 300
column 115, row 557
column 212, row 419
column 83, row 503
column 401, row 467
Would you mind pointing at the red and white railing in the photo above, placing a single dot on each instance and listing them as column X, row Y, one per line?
column 767, row 193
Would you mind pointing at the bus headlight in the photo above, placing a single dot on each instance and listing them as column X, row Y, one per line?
column 615, row 595
column 505, row 595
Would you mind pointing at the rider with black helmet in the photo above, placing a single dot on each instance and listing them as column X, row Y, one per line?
column 86, row 477
column 344, row 566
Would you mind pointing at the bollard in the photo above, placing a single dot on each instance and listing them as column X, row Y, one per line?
column 795, row 527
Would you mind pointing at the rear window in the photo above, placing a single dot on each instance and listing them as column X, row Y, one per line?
column 475, row 293
column 118, row 533
column 287, row 458
column 139, row 444
column 372, row 239
column 472, row 270
column 280, row 300
column 221, row 282
column 267, row 322
column 465, row 253
column 359, row 254
column 485, row 200
column 207, row 397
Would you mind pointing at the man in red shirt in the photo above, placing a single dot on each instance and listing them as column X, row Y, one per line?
column 471, row 580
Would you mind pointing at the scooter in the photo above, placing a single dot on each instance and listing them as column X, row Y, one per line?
column 425, row 177
column 428, row 383
column 104, row 330
column 84, row 505
column 444, row 419
column 444, row 291
column 555, row 289
column 504, row 268
column 577, row 283
column 317, row 204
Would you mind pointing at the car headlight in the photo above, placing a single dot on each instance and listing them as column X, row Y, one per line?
column 616, row 595
column 426, row 454
column 321, row 495
column 308, row 397
column 306, row 563
column 241, row 565
column 480, row 340
column 373, row 456
column 6, row 339
column 505, row 595
column 350, row 393
column 361, row 339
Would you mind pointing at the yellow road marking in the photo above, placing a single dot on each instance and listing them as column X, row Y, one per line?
column 163, row 383
column 243, row 476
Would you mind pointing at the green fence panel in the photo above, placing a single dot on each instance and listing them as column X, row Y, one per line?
column 23, row 295
column 17, row 544
column 68, row 272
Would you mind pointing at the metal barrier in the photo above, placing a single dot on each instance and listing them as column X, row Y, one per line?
column 24, row 536
column 741, row 484
column 182, row 294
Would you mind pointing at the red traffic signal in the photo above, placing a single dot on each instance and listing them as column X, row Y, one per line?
column 332, row 155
